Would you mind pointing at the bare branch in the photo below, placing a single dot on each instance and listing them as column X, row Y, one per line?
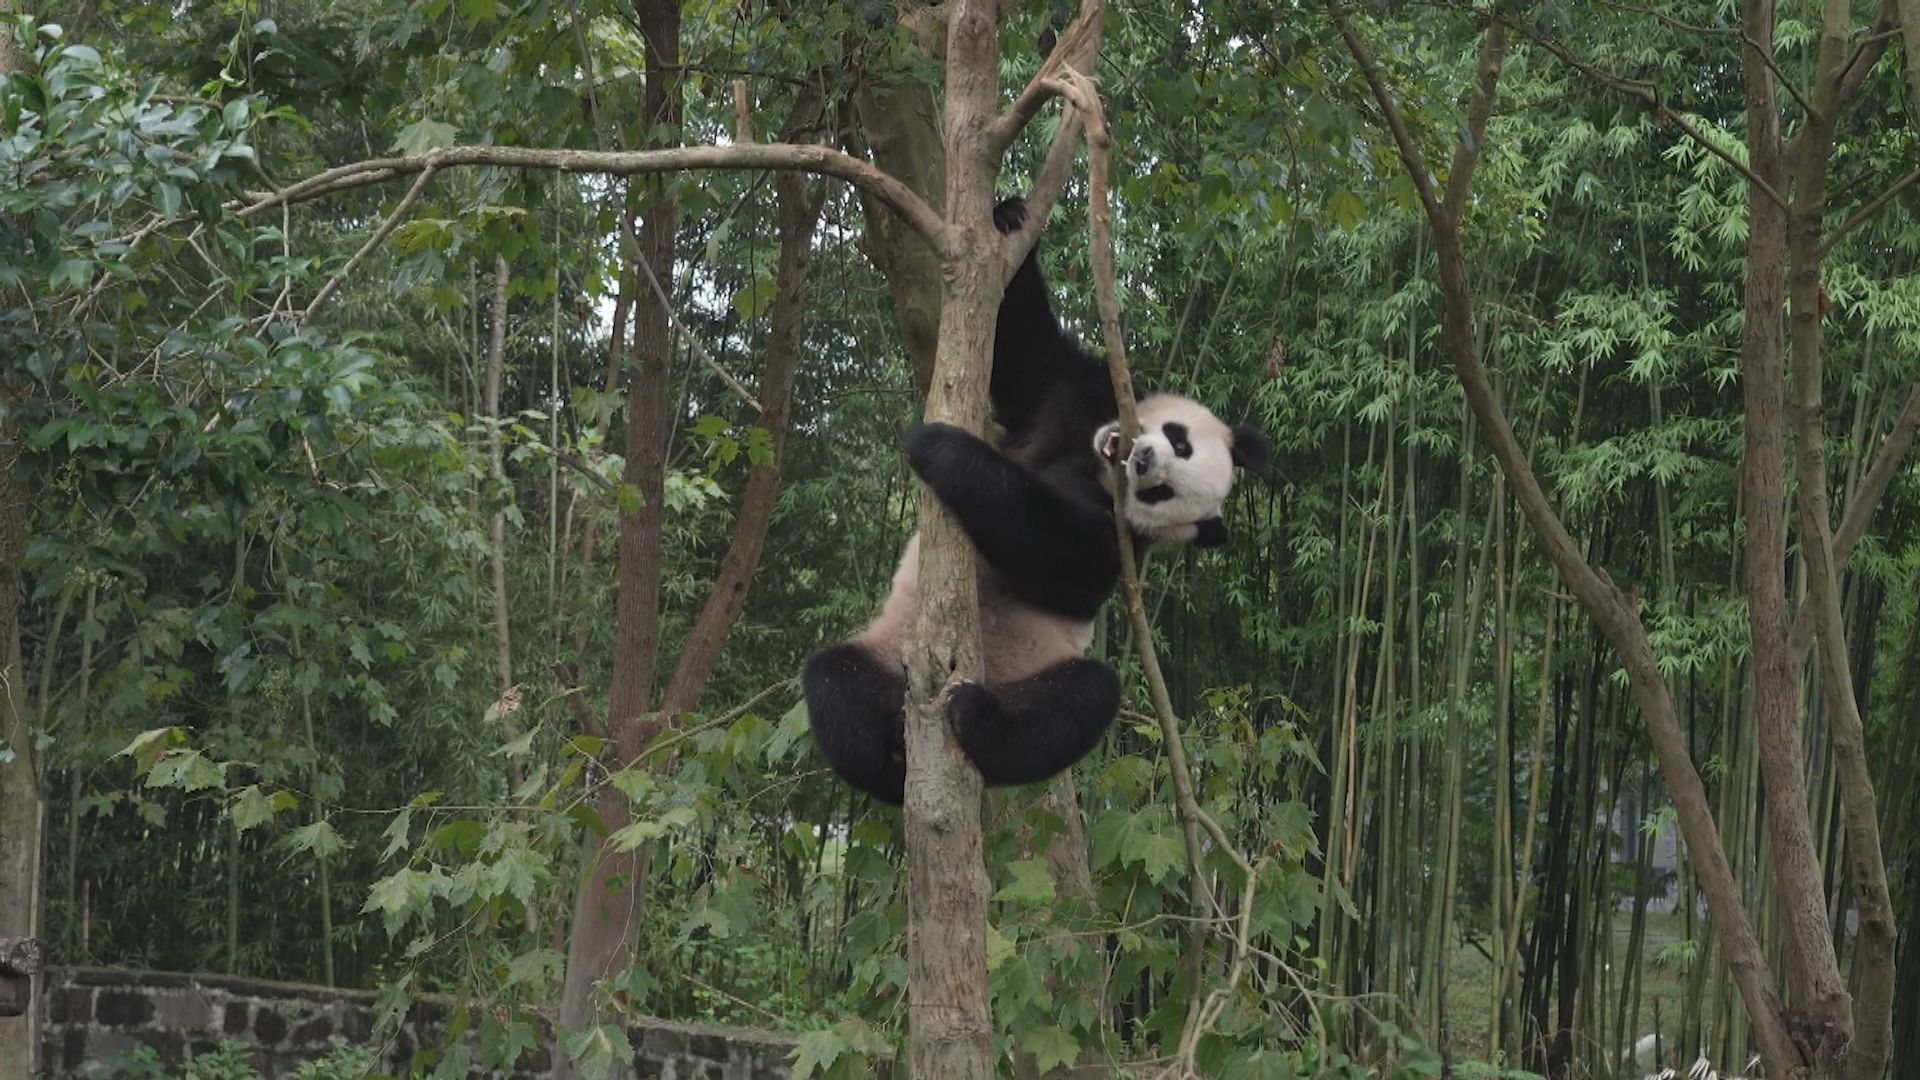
column 1070, row 53
column 693, row 341
column 788, row 157
column 1047, row 185
column 1403, row 139
column 1866, row 52
column 1866, row 213
column 1467, row 153
column 379, row 236
column 1887, row 461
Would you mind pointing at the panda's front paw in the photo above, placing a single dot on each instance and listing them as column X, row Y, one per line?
column 972, row 714
column 1010, row 214
column 1211, row 533
column 929, row 446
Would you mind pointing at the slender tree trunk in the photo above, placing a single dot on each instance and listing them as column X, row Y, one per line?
column 1867, row 1056
column 22, row 810
column 21, row 807
column 506, row 701
column 607, row 909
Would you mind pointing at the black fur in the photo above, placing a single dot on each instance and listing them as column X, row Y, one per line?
column 856, row 704
column 1249, row 448
column 1033, row 729
column 1051, row 542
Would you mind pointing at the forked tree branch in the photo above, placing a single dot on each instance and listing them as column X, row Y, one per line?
column 1871, row 1016
column 786, row 157
column 797, row 215
column 1611, row 611
column 1887, row 462
column 1076, row 52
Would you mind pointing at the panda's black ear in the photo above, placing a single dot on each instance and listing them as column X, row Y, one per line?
column 1249, row 448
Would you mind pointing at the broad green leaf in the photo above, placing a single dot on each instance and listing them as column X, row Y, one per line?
column 425, row 134
column 319, row 838
column 1050, row 1046
column 1031, row 883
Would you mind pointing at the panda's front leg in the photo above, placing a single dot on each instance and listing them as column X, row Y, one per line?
column 1053, row 552
column 1035, row 729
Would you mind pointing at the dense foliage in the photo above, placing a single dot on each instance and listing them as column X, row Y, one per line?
column 257, row 627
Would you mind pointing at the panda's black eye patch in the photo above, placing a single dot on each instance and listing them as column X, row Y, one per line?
column 1177, row 436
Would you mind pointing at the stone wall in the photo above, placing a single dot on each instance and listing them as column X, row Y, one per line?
column 94, row 1015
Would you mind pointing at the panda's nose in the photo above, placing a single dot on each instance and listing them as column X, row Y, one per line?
column 1142, row 459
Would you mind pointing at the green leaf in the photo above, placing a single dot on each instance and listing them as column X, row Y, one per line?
column 1157, row 852
column 188, row 770
column 423, row 135
column 516, row 873
column 1346, row 209
column 319, row 838
column 251, row 808
column 595, row 1050
column 398, row 895
column 817, row 1052
column 146, row 747
column 535, row 967
column 1031, row 883
column 1050, row 1046
column 749, row 302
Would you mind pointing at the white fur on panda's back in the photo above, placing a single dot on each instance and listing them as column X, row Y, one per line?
column 1019, row 641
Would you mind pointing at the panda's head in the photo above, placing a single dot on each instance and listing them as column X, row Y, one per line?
column 1181, row 466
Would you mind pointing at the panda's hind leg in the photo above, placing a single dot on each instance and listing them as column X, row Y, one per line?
column 855, row 704
column 1034, row 729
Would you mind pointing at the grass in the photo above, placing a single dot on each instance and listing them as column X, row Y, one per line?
column 1470, row 986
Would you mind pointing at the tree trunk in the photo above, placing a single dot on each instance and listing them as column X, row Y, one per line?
column 506, row 701
column 607, row 908
column 947, row 1022
column 21, row 807
column 22, row 811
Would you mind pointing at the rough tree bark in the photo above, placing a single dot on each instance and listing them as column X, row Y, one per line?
column 1812, row 970
column 22, row 812
column 950, row 1033
column 607, row 907
column 900, row 125
column 1871, row 1016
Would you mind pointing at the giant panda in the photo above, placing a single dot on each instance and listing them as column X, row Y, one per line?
column 1039, row 515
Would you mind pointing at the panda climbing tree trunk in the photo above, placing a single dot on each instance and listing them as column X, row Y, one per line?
column 901, row 130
